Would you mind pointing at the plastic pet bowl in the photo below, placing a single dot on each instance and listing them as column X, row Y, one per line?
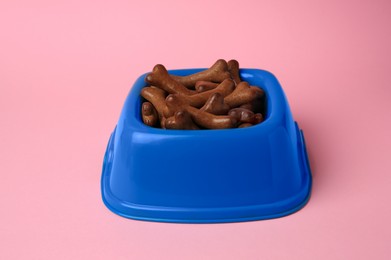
column 207, row 176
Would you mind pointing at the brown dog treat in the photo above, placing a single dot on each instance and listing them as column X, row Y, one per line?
column 198, row 100
column 163, row 122
column 203, row 88
column 149, row 114
column 257, row 104
column 211, row 121
column 181, row 120
column 233, row 68
column 215, row 105
column 203, row 85
column 157, row 97
column 259, row 91
column 245, row 125
column 258, row 118
column 217, row 73
column 201, row 118
column 241, row 95
column 246, row 116
column 248, row 106
column 242, row 115
column 160, row 78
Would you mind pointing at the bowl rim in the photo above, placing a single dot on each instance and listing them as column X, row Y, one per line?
column 275, row 100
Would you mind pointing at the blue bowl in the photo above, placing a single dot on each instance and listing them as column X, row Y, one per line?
column 207, row 176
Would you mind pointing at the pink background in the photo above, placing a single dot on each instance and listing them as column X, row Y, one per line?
column 66, row 67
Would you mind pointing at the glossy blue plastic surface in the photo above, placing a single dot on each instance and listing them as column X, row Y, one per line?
column 207, row 176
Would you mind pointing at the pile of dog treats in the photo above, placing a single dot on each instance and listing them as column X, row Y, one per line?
column 215, row 98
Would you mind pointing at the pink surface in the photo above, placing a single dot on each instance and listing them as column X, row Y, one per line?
column 67, row 66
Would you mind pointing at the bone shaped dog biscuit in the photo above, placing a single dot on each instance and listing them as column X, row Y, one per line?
column 216, row 73
column 215, row 105
column 242, row 94
column 233, row 68
column 159, row 77
column 157, row 97
column 201, row 118
column 149, row 114
column 198, row 100
column 180, row 120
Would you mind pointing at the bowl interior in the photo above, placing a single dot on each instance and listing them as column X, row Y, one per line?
column 245, row 76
